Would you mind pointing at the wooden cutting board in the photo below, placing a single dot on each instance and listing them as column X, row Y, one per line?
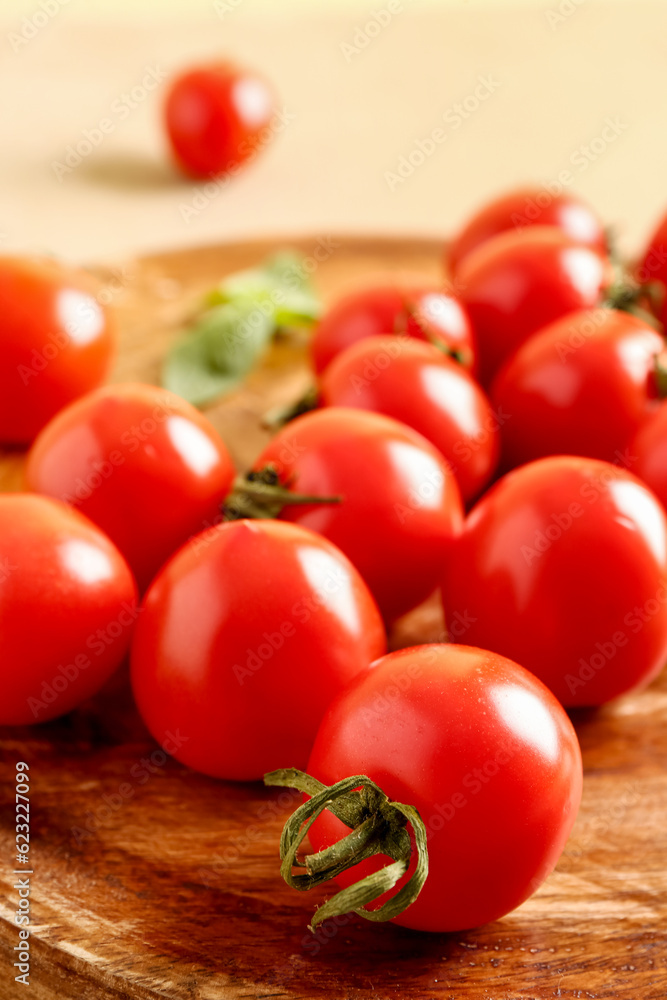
column 170, row 887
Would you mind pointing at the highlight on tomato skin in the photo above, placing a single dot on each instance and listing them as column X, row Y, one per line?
column 414, row 382
column 483, row 751
column 583, row 385
column 516, row 283
column 562, row 566
column 400, row 505
column 217, row 117
column 522, row 208
column 57, row 339
column 140, row 462
column 68, row 605
column 244, row 638
column 430, row 314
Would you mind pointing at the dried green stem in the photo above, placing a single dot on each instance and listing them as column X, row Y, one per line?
column 260, row 495
column 378, row 826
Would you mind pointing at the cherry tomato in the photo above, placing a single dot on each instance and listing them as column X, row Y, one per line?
column 426, row 314
column 400, row 505
column 67, row 608
column 244, row 638
column 56, row 339
column 562, row 566
column 529, row 206
column 648, row 451
column 141, row 463
column 581, row 386
column 217, row 117
column 483, row 751
column 414, row 382
column 517, row 282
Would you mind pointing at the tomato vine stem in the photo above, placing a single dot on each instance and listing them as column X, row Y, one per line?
column 378, row 825
column 281, row 415
column 261, row 495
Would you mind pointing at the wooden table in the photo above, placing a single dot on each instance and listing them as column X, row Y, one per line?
column 170, row 887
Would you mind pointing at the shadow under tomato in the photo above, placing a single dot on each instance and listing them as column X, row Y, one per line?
column 130, row 172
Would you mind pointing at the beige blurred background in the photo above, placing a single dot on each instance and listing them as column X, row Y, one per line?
column 533, row 91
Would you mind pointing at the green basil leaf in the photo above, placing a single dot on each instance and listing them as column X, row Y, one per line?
column 189, row 373
column 281, row 279
column 237, row 333
column 243, row 314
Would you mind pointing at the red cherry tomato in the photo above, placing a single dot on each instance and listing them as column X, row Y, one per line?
column 216, row 117
column 581, row 386
column 517, row 282
column 426, row 314
column 529, row 206
column 141, row 463
column 400, row 505
column 67, row 608
column 56, row 341
column 648, row 451
column 244, row 638
column 562, row 566
column 652, row 272
column 485, row 753
column 414, row 382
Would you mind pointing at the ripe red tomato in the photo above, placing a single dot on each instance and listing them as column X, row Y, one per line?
column 653, row 267
column 648, row 451
column 529, row 206
column 517, row 282
column 426, row 314
column 56, row 340
column 562, row 566
column 217, row 116
column 414, row 382
column 141, row 463
column 400, row 505
column 581, row 386
column 67, row 608
column 485, row 753
column 244, row 638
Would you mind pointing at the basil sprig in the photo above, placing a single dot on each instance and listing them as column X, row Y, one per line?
column 241, row 316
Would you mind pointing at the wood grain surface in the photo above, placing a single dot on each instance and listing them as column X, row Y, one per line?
column 152, row 881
